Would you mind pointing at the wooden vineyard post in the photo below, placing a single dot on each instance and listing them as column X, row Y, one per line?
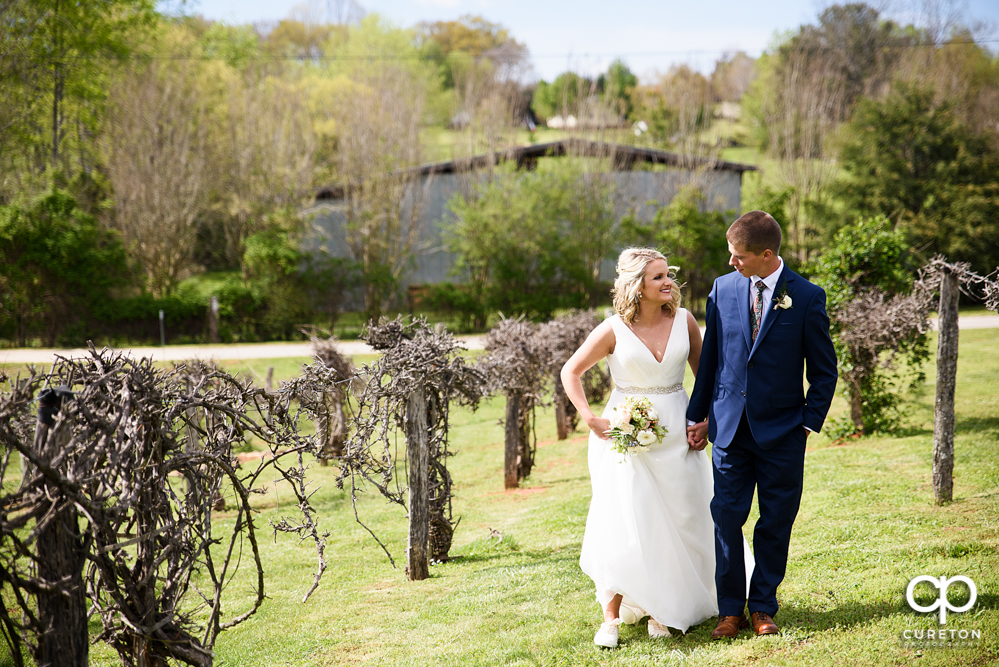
column 943, row 411
column 418, row 457
column 512, row 440
column 63, row 611
column 561, row 411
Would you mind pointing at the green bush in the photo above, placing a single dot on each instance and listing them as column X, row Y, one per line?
column 867, row 255
column 533, row 242
column 57, row 268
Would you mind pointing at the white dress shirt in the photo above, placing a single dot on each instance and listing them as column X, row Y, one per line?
column 768, row 291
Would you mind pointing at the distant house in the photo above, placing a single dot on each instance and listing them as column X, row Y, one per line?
column 641, row 174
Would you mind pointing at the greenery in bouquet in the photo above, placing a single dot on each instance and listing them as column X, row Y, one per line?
column 635, row 426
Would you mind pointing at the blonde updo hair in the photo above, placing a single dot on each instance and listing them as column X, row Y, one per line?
column 630, row 276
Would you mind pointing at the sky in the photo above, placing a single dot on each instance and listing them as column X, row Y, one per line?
column 586, row 36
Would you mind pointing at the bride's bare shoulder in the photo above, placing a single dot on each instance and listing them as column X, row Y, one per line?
column 693, row 328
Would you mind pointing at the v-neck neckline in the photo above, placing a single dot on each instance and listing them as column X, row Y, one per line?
column 669, row 339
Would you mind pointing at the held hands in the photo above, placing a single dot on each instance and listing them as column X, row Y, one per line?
column 697, row 436
column 599, row 426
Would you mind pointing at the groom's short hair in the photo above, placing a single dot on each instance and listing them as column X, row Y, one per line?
column 755, row 231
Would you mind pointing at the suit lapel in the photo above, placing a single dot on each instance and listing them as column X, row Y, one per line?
column 787, row 279
column 742, row 294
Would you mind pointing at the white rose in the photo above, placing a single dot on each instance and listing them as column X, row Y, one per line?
column 786, row 302
column 616, row 421
column 646, row 438
column 627, row 429
column 653, row 415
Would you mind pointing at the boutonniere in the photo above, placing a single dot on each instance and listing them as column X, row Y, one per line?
column 782, row 299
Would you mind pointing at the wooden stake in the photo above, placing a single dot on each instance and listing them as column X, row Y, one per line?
column 418, row 457
column 561, row 411
column 62, row 612
column 512, row 440
column 943, row 412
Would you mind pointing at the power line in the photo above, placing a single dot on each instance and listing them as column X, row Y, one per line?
column 425, row 57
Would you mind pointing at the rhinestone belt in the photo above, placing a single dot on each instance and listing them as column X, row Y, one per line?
column 673, row 388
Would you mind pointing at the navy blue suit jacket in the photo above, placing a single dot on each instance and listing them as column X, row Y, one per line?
column 765, row 379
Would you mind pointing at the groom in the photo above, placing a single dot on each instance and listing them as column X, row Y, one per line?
column 766, row 326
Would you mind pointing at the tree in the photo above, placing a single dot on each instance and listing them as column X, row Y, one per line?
column 693, row 237
column 617, row 87
column 913, row 160
column 677, row 109
column 481, row 66
column 378, row 107
column 562, row 96
column 533, row 242
column 876, row 317
column 57, row 267
column 807, row 86
column 157, row 164
column 733, row 74
column 63, row 54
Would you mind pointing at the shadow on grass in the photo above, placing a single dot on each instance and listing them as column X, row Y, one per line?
column 802, row 618
column 976, row 424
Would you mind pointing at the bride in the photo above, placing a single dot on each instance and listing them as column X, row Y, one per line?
column 649, row 541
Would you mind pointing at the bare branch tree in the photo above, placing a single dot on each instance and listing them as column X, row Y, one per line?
column 154, row 565
column 562, row 336
column 157, row 146
column 414, row 382
column 517, row 363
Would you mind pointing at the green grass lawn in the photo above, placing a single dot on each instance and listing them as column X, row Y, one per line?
column 867, row 526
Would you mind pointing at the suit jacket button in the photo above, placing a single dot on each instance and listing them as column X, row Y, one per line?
column 750, row 364
column 743, row 394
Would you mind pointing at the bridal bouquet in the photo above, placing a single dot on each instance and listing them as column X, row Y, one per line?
column 635, row 426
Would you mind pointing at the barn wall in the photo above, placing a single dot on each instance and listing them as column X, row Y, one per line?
column 432, row 262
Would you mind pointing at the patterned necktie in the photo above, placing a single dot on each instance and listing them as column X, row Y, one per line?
column 756, row 316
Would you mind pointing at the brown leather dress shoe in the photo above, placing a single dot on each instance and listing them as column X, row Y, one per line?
column 729, row 626
column 763, row 624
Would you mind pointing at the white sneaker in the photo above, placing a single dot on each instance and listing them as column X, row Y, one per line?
column 607, row 634
column 656, row 630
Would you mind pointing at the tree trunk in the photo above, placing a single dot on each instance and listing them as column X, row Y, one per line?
column 512, row 444
column 943, row 412
column 333, row 426
column 525, row 456
column 857, row 408
column 418, row 457
column 269, row 380
column 561, row 411
column 62, row 613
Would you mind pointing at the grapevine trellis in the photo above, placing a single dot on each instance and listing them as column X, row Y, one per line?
column 409, row 390
column 96, row 520
column 562, row 336
column 517, row 363
column 949, row 279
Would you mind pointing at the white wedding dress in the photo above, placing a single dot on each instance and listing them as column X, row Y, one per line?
column 649, row 534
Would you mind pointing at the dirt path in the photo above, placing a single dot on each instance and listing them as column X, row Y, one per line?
column 217, row 352
column 282, row 350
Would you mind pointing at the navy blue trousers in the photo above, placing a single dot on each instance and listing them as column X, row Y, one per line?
column 776, row 476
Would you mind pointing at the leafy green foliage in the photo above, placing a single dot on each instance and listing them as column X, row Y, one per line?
column 561, row 96
column 57, row 265
column 617, row 87
column 533, row 242
column 913, row 160
column 692, row 237
column 870, row 255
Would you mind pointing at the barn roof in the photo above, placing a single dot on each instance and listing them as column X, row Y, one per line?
column 624, row 157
